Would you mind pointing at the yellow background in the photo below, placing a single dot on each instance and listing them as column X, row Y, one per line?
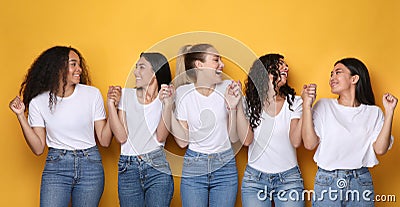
column 311, row 34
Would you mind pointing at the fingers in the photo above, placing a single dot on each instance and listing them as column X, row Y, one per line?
column 114, row 94
column 166, row 91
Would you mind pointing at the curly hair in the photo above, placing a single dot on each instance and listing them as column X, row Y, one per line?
column 256, row 86
column 47, row 72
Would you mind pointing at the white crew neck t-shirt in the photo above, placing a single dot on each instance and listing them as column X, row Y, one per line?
column 70, row 125
column 271, row 150
column 346, row 134
column 207, row 117
column 142, row 121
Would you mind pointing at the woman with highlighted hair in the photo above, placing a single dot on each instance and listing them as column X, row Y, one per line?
column 270, row 124
column 141, row 126
column 65, row 114
column 349, row 131
column 207, row 126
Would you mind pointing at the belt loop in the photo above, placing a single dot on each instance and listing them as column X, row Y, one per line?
column 336, row 173
column 355, row 172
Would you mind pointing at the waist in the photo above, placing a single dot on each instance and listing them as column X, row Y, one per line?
column 159, row 152
column 75, row 152
column 338, row 172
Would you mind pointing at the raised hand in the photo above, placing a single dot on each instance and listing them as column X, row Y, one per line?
column 389, row 102
column 309, row 94
column 114, row 95
column 233, row 94
column 167, row 94
column 17, row 106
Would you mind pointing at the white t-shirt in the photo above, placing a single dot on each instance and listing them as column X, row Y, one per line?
column 207, row 117
column 271, row 150
column 70, row 125
column 346, row 134
column 142, row 121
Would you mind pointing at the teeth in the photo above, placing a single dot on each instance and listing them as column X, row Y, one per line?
column 218, row 72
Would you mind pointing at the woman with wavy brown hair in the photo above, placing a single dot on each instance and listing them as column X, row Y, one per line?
column 65, row 114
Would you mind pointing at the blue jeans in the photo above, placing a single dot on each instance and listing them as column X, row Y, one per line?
column 145, row 180
column 75, row 175
column 343, row 188
column 259, row 188
column 209, row 179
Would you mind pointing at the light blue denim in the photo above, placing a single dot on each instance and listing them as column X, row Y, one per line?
column 259, row 189
column 75, row 175
column 209, row 179
column 145, row 180
column 350, row 188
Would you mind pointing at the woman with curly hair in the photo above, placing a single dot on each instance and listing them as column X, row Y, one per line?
column 65, row 114
column 272, row 132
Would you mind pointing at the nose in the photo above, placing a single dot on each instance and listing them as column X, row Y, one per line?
column 221, row 64
column 136, row 72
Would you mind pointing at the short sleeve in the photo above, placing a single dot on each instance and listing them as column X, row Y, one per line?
column 99, row 111
column 317, row 114
column 122, row 101
column 297, row 108
column 378, row 127
column 35, row 117
column 181, row 109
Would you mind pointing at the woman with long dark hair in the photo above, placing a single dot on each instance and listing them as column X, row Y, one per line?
column 66, row 115
column 270, row 125
column 141, row 126
column 349, row 131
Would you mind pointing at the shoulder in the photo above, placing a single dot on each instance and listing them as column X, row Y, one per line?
column 183, row 89
column 87, row 88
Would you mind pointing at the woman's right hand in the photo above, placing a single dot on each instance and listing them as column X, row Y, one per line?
column 114, row 95
column 309, row 94
column 17, row 106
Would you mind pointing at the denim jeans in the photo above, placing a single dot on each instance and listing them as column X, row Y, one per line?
column 259, row 188
column 209, row 179
column 343, row 188
column 145, row 180
column 75, row 175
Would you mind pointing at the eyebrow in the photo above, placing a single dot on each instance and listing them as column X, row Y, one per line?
column 72, row 60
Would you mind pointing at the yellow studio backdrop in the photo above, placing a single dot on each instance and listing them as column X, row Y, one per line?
column 312, row 35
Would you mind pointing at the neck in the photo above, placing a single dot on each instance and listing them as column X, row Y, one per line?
column 147, row 94
column 69, row 89
column 204, row 88
column 348, row 99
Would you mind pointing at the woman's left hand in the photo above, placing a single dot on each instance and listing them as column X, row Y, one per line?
column 389, row 102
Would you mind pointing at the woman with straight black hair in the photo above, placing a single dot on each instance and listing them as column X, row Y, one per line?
column 349, row 132
column 141, row 126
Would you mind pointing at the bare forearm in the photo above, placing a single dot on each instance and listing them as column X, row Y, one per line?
column 34, row 141
column 116, row 125
column 181, row 134
column 295, row 132
column 308, row 134
column 232, row 126
column 164, row 126
column 382, row 143
column 244, row 130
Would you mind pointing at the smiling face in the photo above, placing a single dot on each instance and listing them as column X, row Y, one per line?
column 283, row 72
column 212, row 65
column 74, row 69
column 341, row 79
column 144, row 73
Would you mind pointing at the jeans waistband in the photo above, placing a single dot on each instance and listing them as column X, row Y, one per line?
column 148, row 156
column 226, row 153
column 75, row 152
column 354, row 172
column 263, row 175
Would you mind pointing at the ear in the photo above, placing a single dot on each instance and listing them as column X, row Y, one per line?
column 198, row 64
column 355, row 78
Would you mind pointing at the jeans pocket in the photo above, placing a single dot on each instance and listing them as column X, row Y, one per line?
column 159, row 163
column 293, row 178
column 364, row 179
column 324, row 179
column 94, row 156
column 122, row 166
column 188, row 161
column 55, row 156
